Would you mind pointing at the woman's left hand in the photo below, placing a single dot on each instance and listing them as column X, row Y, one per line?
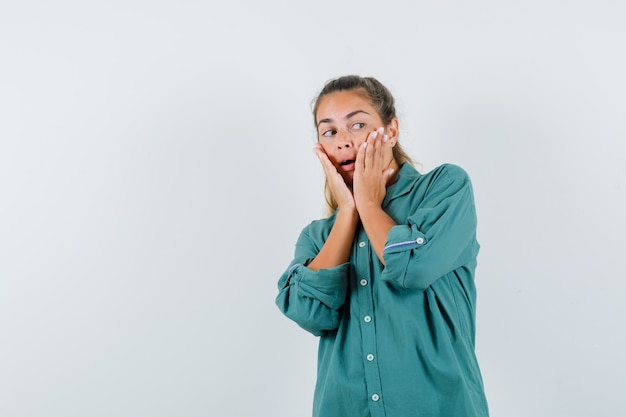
column 372, row 170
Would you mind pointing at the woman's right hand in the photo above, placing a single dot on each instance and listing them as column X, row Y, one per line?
column 341, row 192
column 338, row 245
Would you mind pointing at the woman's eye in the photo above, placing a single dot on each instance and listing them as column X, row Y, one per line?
column 328, row 133
column 358, row 126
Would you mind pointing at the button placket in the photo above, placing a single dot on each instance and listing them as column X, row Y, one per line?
column 365, row 309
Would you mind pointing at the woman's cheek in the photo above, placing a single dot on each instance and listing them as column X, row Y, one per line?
column 359, row 141
column 326, row 147
column 329, row 150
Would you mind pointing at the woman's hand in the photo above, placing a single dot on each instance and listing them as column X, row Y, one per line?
column 339, row 188
column 373, row 170
column 338, row 245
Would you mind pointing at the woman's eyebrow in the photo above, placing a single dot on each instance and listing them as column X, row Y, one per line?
column 347, row 116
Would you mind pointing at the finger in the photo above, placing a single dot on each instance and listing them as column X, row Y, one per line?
column 387, row 153
column 334, row 178
column 329, row 168
column 384, row 153
column 359, row 164
column 374, row 162
column 318, row 150
column 372, row 147
column 377, row 157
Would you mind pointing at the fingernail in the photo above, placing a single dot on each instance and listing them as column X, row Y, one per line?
column 364, row 145
column 381, row 130
column 385, row 138
column 391, row 172
column 374, row 134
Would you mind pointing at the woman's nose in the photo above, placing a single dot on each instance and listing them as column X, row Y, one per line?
column 343, row 144
column 344, row 141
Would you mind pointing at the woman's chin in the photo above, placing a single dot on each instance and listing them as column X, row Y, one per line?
column 347, row 177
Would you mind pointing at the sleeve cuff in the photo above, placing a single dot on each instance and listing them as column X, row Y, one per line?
column 402, row 247
column 402, row 238
column 329, row 286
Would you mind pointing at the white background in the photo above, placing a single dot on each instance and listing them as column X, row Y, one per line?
column 156, row 169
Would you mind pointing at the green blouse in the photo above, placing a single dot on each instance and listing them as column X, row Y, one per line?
column 396, row 340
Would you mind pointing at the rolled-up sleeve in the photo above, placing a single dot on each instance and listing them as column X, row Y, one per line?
column 312, row 299
column 439, row 235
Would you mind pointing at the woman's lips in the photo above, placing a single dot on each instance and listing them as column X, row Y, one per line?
column 347, row 165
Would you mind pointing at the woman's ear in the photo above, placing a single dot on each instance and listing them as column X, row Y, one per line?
column 393, row 129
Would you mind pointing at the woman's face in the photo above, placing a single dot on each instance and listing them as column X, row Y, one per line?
column 344, row 120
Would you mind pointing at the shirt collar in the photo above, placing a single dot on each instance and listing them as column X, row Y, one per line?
column 405, row 180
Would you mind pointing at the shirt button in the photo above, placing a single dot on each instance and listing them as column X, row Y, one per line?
column 370, row 357
column 363, row 282
column 419, row 240
column 375, row 397
column 361, row 244
column 367, row 319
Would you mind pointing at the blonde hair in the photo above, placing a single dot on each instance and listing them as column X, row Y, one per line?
column 380, row 98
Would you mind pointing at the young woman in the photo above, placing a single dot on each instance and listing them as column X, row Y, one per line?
column 387, row 280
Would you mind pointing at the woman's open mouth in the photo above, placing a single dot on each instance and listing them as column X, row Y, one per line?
column 347, row 165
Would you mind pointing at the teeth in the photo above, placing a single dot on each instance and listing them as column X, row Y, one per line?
column 347, row 162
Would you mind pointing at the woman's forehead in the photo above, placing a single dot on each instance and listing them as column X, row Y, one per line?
column 342, row 104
